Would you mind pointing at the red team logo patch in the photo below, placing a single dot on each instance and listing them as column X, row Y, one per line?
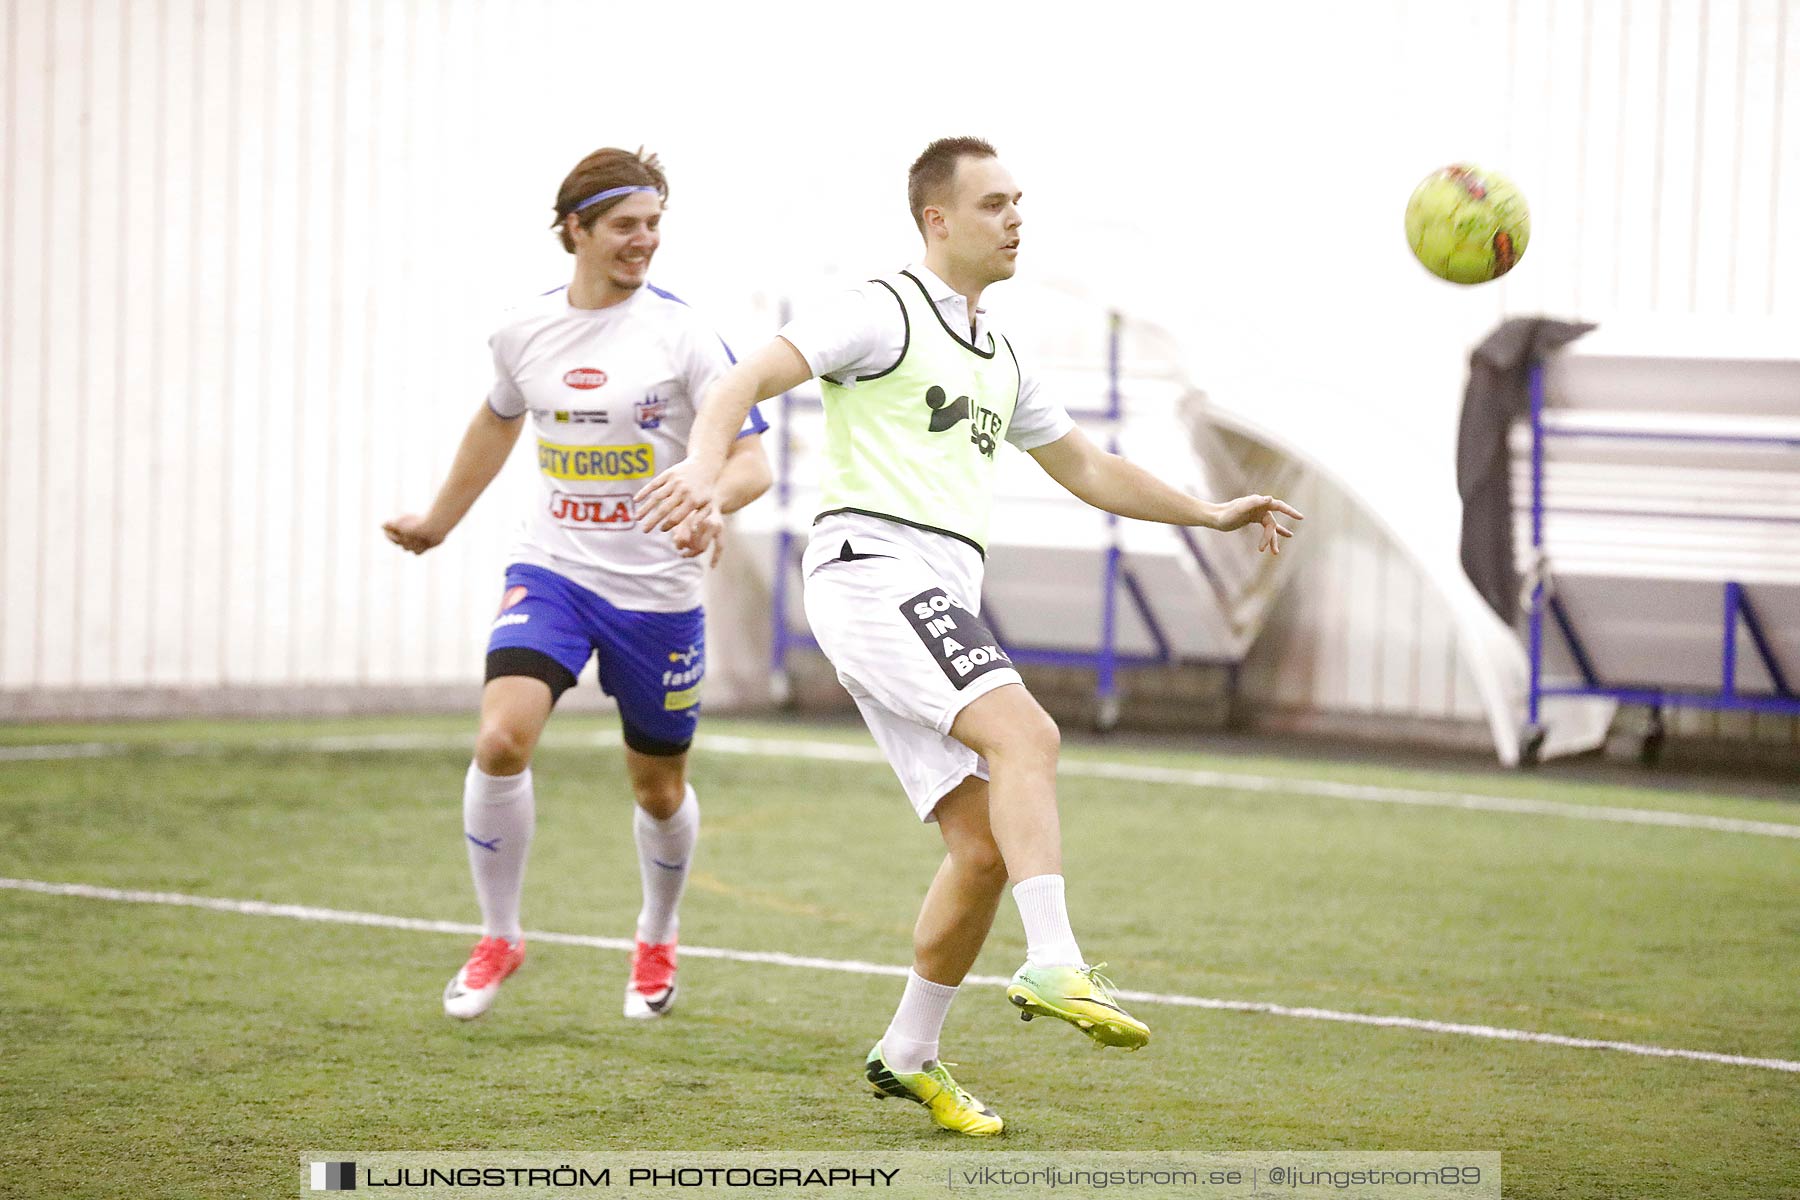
column 512, row 597
column 585, row 378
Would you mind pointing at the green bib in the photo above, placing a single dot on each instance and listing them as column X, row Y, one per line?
column 916, row 443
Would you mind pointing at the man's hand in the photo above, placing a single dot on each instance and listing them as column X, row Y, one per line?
column 677, row 494
column 717, row 437
column 702, row 529
column 412, row 533
column 1258, row 510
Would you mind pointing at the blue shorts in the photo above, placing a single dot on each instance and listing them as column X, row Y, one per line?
column 650, row 662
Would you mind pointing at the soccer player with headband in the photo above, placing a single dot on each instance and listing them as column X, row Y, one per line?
column 611, row 372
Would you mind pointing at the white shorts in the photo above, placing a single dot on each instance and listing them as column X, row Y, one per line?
column 911, row 653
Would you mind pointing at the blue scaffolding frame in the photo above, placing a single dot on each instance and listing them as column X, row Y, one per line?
column 1105, row 659
column 1738, row 611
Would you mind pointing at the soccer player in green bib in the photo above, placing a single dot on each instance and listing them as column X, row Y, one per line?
column 919, row 393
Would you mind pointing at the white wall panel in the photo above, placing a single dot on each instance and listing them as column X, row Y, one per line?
column 62, row 519
column 1682, row 114
column 250, row 251
column 1718, row 175
column 1600, row 151
column 1784, row 195
column 170, row 532
column 21, row 153
column 1748, row 269
column 132, row 349
column 98, row 453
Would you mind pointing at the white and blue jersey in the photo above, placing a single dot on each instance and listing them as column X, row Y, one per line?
column 611, row 394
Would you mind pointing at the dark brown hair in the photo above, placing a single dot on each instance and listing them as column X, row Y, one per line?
column 933, row 171
column 602, row 171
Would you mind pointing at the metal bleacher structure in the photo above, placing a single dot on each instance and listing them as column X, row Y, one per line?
column 1656, row 502
column 1066, row 584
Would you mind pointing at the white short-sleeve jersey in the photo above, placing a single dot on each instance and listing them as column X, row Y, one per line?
column 611, row 393
column 863, row 333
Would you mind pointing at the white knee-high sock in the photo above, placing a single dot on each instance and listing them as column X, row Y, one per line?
column 911, row 1039
column 498, row 817
column 665, row 852
column 1049, row 942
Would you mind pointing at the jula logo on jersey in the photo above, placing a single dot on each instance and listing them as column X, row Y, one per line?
column 985, row 425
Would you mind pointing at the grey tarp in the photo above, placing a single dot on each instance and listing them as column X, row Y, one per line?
column 1499, row 392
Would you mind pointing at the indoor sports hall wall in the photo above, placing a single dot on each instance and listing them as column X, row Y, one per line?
column 249, row 253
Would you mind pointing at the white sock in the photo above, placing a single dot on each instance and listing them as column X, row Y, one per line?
column 1049, row 942
column 912, row 1037
column 665, row 851
column 498, row 817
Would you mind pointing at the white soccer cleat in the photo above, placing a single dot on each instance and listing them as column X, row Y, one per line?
column 651, row 991
column 472, row 991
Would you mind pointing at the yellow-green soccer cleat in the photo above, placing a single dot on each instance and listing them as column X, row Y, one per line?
column 1083, row 997
column 950, row 1105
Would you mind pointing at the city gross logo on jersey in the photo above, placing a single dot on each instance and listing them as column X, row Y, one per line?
column 650, row 412
column 956, row 638
column 612, row 510
column 588, row 463
column 585, row 378
column 985, row 425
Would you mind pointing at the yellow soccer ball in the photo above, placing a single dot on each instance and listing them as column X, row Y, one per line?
column 1467, row 224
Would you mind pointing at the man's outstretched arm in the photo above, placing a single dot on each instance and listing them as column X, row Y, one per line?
column 484, row 449
column 688, row 486
column 1117, row 485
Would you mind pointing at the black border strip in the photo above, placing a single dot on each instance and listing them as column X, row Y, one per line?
column 932, row 305
column 906, row 339
column 863, row 512
column 1018, row 376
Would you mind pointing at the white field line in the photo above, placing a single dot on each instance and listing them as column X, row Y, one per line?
column 1476, row 801
column 346, row 744
column 1275, row 785
column 301, row 912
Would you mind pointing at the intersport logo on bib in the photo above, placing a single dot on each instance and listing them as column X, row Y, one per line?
column 985, row 425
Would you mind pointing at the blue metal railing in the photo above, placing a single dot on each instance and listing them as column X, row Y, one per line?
column 1737, row 607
